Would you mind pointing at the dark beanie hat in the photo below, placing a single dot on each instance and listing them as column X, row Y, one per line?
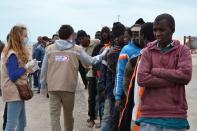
column 45, row 38
column 105, row 29
column 81, row 33
column 140, row 21
column 115, row 23
column 147, row 31
column 118, row 30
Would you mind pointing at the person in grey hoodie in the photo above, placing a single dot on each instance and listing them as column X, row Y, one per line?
column 59, row 75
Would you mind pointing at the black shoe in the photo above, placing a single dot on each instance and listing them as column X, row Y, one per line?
column 88, row 120
column 98, row 125
column 90, row 123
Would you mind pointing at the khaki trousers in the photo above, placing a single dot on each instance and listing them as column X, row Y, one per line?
column 58, row 99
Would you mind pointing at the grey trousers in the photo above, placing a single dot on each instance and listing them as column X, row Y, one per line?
column 148, row 127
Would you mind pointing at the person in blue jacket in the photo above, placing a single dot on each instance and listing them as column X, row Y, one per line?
column 39, row 55
column 129, row 51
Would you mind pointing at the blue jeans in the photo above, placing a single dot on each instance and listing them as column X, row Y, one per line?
column 148, row 127
column 36, row 79
column 36, row 76
column 16, row 116
column 106, row 123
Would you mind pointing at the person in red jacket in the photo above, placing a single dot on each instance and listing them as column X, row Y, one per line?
column 165, row 69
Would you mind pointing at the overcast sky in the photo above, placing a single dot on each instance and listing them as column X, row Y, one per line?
column 44, row 17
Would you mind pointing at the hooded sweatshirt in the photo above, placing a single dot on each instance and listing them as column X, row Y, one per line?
column 164, row 76
column 61, row 64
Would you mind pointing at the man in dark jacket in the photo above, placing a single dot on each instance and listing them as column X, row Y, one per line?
column 105, row 42
column 39, row 55
column 35, row 74
column 107, row 80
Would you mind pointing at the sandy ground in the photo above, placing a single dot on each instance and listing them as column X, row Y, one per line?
column 191, row 91
column 38, row 111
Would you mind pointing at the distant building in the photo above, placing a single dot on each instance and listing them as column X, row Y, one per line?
column 191, row 42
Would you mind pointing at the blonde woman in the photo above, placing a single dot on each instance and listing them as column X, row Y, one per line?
column 14, row 68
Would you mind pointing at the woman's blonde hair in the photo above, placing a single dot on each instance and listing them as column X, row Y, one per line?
column 16, row 43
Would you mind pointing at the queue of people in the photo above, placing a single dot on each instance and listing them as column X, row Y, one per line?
column 135, row 76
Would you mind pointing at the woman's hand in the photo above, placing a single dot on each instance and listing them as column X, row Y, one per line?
column 30, row 65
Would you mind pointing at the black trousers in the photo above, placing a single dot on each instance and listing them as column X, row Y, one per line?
column 83, row 73
column 116, row 115
column 114, row 120
column 5, row 117
column 92, row 91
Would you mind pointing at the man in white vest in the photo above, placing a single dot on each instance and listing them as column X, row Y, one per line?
column 59, row 74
